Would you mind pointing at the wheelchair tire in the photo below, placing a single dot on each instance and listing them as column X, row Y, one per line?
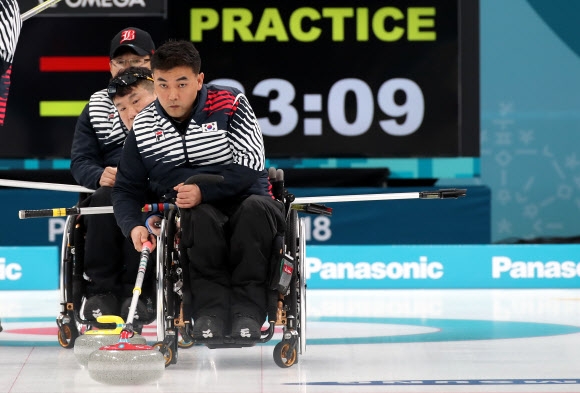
column 285, row 357
column 301, row 286
column 67, row 336
column 182, row 343
column 166, row 351
column 160, row 279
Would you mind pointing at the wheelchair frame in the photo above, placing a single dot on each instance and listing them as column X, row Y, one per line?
column 70, row 322
column 289, row 308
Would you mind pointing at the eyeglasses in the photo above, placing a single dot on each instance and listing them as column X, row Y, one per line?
column 124, row 80
column 122, row 63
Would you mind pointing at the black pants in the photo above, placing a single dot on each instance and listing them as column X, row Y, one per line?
column 229, row 253
column 111, row 261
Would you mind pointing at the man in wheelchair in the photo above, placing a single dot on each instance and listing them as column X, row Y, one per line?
column 110, row 261
column 228, row 228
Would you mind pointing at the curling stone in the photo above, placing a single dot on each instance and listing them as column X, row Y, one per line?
column 126, row 364
column 95, row 339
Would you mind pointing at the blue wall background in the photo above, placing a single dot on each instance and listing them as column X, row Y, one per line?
column 530, row 116
column 530, row 136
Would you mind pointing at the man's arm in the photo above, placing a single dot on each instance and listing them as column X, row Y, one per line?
column 86, row 160
column 130, row 189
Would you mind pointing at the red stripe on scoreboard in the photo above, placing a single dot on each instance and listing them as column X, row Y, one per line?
column 74, row 63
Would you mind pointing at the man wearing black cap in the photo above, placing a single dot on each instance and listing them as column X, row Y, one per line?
column 110, row 261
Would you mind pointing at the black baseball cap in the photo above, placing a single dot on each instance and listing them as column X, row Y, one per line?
column 131, row 37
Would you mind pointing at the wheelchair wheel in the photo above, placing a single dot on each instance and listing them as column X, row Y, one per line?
column 286, row 352
column 285, row 355
column 66, row 320
column 166, row 351
column 65, row 256
column 160, row 279
column 70, row 264
column 67, row 336
column 301, row 287
column 183, row 342
column 167, row 332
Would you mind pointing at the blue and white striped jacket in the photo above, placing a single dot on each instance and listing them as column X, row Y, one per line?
column 222, row 137
column 98, row 140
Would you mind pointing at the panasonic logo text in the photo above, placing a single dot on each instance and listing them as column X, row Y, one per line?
column 10, row 271
column 502, row 266
column 423, row 269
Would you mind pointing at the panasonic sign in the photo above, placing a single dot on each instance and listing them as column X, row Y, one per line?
column 29, row 268
column 505, row 266
column 442, row 266
column 394, row 270
column 10, row 271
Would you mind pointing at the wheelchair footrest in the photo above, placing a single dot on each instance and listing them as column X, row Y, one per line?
column 228, row 342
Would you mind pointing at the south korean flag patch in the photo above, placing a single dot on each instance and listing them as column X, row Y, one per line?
column 209, row 127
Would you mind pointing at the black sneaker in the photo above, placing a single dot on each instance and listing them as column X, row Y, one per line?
column 142, row 314
column 245, row 327
column 99, row 305
column 207, row 327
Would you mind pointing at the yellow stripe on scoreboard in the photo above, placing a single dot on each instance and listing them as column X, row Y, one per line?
column 61, row 108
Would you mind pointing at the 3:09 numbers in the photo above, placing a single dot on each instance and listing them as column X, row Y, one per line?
column 403, row 118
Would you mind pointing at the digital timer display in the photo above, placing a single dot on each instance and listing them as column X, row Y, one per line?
column 345, row 79
column 333, row 83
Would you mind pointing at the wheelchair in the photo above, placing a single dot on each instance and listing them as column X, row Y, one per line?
column 286, row 290
column 70, row 321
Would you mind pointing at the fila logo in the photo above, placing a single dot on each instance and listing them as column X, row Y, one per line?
column 209, row 127
column 158, row 135
column 127, row 35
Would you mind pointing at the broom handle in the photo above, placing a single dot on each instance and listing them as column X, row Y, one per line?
column 71, row 211
column 147, row 246
column 44, row 186
column 64, row 211
column 38, row 9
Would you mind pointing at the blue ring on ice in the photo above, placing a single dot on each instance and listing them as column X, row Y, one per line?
column 446, row 330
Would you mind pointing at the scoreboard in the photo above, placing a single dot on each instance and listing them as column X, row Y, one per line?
column 333, row 83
